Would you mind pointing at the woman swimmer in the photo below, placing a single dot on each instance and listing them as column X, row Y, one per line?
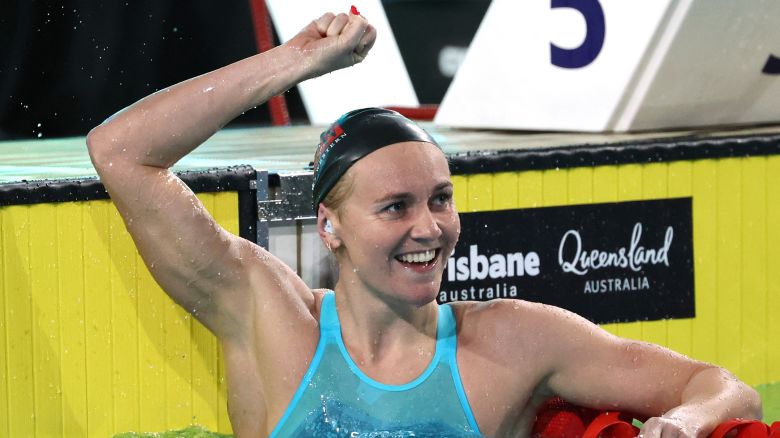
column 386, row 361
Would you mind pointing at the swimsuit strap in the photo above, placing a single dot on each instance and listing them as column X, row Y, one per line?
column 446, row 339
column 329, row 318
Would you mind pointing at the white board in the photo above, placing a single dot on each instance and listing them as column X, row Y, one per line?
column 711, row 72
column 659, row 64
column 380, row 80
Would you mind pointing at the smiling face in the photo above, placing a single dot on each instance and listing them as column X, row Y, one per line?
column 399, row 224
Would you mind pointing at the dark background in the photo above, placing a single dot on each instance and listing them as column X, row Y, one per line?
column 67, row 65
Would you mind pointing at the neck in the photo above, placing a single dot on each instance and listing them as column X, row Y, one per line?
column 375, row 326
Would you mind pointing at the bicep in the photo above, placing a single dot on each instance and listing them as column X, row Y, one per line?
column 594, row 368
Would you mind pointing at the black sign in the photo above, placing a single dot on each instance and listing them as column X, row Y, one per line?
column 626, row 261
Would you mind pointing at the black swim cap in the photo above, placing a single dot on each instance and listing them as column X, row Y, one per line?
column 355, row 135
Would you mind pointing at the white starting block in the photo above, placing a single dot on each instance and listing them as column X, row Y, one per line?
column 380, row 80
column 616, row 65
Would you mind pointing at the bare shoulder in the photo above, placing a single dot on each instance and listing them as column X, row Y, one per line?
column 523, row 326
column 509, row 313
column 318, row 295
column 488, row 326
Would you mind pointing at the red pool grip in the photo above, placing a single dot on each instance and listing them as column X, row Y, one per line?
column 610, row 425
column 774, row 430
column 560, row 419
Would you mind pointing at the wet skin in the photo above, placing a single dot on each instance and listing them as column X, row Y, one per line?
column 511, row 354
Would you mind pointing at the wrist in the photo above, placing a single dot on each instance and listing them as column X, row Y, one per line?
column 693, row 419
column 301, row 63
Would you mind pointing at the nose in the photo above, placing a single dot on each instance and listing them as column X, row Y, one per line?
column 425, row 226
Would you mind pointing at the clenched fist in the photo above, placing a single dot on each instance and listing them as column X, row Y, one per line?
column 333, row 42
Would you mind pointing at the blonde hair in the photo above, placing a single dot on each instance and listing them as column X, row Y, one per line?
column 339, row 193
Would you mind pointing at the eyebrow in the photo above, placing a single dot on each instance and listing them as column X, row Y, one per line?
column 407, row 195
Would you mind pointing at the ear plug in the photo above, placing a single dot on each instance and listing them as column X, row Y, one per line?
column 328, row 226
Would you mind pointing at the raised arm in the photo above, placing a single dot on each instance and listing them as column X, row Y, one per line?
column 684, row 397
column 199, row 264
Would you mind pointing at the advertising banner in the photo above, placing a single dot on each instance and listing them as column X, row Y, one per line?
column 613, row 262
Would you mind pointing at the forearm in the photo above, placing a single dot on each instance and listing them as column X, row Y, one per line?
column 712, row 396
column 163, row 127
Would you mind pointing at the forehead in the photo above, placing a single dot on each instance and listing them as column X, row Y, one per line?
column 404, row 167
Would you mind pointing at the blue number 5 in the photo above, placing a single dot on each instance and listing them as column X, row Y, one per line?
column 594, row 36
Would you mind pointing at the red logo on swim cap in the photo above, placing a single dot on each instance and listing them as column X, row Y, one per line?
column 327, row 139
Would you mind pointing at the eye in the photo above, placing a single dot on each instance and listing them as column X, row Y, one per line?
column 395, row 207
column 443, row 198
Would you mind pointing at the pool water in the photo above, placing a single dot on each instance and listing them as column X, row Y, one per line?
column 190, row 432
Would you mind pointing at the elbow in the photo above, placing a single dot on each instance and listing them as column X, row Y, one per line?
column 745, row 401
column 719, row 391
column 748, row 400
column 99, row 148
column 753, row 405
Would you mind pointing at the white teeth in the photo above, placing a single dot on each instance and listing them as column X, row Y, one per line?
column 418, row 257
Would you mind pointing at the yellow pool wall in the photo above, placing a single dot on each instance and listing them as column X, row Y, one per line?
column 90, row 344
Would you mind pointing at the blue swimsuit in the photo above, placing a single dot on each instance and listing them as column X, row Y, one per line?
column 336, row 399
